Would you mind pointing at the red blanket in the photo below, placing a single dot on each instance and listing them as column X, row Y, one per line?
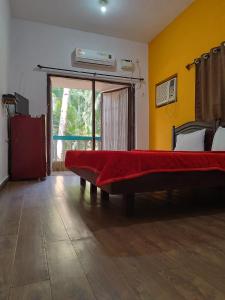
column 113, row 166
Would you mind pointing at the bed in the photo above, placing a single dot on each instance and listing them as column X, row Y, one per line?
column 130, row 172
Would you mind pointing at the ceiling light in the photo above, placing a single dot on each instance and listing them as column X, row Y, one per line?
column 103, row 9
column 103, row 5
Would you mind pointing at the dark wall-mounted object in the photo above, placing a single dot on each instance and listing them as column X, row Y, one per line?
column 9, row 99
column 22, row 105
column 16, row 103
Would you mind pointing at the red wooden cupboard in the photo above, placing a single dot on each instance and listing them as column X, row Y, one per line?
column 27, row 147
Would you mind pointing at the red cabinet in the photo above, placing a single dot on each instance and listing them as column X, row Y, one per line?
column 27, row 147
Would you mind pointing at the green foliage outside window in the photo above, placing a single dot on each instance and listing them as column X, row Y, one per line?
column 79, row 113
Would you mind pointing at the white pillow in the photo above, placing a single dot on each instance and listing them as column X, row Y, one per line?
column 219, row 140
column 194, row 141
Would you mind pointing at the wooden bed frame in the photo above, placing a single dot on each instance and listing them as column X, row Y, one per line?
column 160, row 181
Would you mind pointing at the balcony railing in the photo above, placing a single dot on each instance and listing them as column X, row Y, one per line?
column 61, row 144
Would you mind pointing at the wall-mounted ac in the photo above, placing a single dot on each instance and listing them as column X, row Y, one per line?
column 100, row 58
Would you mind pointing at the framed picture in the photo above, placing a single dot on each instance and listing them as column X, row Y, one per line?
column 166, row 91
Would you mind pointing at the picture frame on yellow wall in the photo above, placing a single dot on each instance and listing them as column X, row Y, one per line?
column 166, row 91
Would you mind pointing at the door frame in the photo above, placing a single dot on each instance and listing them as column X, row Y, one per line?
column 131, row 112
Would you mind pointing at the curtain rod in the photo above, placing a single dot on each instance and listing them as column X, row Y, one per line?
column 89, row 73
column 189, row 66
column 205, row 55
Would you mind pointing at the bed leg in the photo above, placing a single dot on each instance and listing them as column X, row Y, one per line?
column 104, row 198
column 93, row 192
column 82, row 182
column 128, row 200
column 93, row 189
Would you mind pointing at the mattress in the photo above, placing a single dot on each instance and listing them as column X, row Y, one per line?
column 114, row 166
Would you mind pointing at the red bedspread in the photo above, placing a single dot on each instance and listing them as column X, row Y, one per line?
column 113, row 166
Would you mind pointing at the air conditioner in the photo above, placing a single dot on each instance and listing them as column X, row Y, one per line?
column 85, row 56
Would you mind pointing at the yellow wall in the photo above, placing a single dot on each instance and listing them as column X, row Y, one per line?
column 200, row 27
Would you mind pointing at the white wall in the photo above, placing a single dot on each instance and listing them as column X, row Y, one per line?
column 36, row 43
column 4, row 67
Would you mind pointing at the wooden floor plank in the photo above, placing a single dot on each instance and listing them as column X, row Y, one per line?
column 4, row 293
column 58, row 243
column 31, row 216
column 68, row 280
column 30, row 263
column 186, row 255
column 7, row 252
column 170, row 274
column 101, row 272
column 10, row 212
column 68, row 210
column 39, row 290
column 147, row 284
column 166, row 240
column 53, row 227
column 197, row 240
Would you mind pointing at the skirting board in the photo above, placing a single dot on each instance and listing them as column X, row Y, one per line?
column 3, row 183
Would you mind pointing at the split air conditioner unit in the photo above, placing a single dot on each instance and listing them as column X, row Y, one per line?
column 100, row 58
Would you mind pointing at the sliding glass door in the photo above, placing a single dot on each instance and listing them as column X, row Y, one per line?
column 87, row 115
column 71, row 118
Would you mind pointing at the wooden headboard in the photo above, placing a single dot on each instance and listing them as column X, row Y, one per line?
column 195, row 126
column 220, row 123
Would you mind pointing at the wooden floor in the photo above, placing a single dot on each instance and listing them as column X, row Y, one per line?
column 57, row 243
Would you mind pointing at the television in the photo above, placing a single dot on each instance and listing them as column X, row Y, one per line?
column 22, row 105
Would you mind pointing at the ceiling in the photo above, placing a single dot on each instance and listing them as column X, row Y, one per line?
column 139, row 20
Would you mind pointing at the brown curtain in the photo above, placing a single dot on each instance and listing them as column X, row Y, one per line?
column 210, row 85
